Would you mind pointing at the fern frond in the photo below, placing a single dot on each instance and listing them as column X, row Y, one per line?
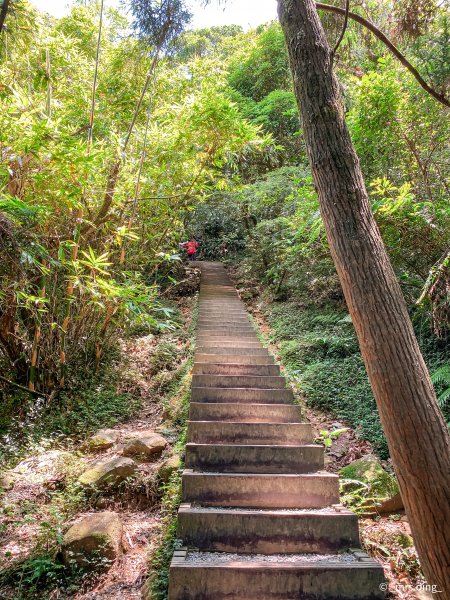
column 441, row 376
column 444, row 397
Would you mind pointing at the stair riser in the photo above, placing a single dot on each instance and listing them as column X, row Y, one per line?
column 226, row 318
column 260, row 491
column 244, row 413
column 213, row 319
column 219, row 330
column 227, row 332
column 231, row 351
column 234, row 369
column 229, row 342
column 223, row 324
column 267, row 533
column 231, row 348
column 206, row 432
column 238, row 381
column 260, row 396
column 254, row 459
column 202, row 358
column 228, row 336
column 200, row 582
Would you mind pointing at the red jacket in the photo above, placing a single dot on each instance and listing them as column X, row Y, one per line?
column 192, row 247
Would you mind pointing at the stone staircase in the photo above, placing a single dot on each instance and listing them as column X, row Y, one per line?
column 260, row 517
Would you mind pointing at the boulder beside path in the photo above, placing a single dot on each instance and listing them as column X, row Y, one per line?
column 94, row 541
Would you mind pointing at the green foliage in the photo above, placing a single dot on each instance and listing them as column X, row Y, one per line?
column 327, row 437
column 160, row 563
column 164, row 357
column 94, row 402
column 320, row 349
column 340, row 387
column 86, row 226
column 441, row 380
column 265, row 68
column 159, row 23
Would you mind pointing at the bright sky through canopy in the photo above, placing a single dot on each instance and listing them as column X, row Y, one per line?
column 247, row 13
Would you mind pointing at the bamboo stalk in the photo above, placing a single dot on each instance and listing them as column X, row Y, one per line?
column 48, row 107
column 138, row 179
column 36, row 338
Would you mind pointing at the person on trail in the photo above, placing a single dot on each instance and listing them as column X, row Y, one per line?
column 191, row 247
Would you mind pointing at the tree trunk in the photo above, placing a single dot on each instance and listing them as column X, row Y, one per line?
column 414, row 426
column 3, row 13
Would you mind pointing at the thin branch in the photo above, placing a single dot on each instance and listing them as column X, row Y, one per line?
column 141, row 98
column 22, row 387
column 94, row 84
column 395, row 51
column 344, row 27
column 161, row 197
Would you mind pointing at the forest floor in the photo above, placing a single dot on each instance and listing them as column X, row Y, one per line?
column 41, row 497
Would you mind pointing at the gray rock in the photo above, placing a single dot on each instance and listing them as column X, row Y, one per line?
column 108, row 472
column 42, row 468
column 102, row 439
column 168, row 467
column 147, row 445
column 94, row 541
column 7, row 481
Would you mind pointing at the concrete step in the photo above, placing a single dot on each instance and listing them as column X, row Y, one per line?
column 227, row 331
column 226, row 327
column 249, row 458
column 248, row 531
column 222, row 576
column 225, row 318
column 239, row 381
column 310, row 490
column 245, row 413
column 238, row 395
column 232, row 351
column 239, row 346
column 227, row 338
column 211, row 358
column 207, row 432
column 218, row 368
column 215, row 306
column 224, row 322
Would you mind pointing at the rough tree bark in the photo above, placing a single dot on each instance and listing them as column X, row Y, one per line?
column 415, row 429
column 3, row 13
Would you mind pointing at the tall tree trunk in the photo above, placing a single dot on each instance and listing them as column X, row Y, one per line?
column 415, row 429
column 3, row 13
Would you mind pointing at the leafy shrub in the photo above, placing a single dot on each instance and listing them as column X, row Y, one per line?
column 321, row 348
column 164, row 357
column 340, row 386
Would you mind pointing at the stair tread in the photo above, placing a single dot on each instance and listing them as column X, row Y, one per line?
column 311, row 561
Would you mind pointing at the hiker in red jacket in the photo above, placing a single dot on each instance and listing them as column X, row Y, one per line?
column 191, row 247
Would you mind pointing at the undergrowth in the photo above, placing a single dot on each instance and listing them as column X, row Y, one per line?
column 92, row 402
column 319, row 348
column 177, row 407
